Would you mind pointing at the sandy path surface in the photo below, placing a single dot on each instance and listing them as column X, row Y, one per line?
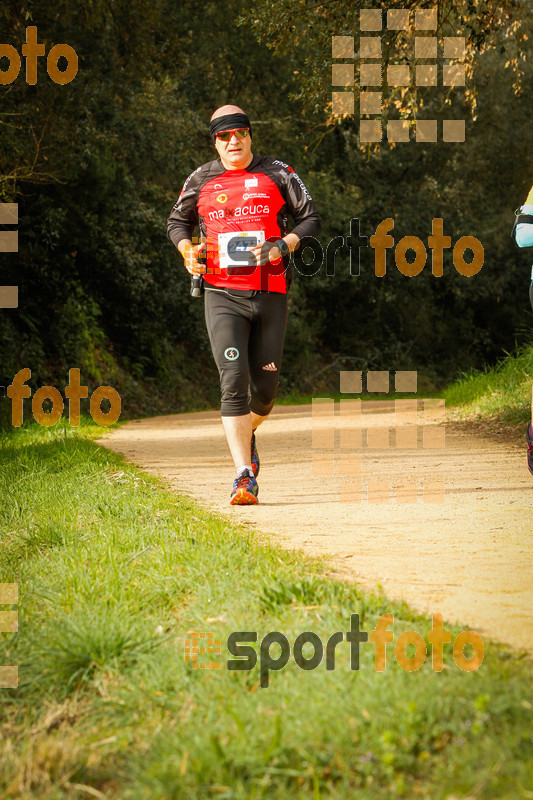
column 467, row 554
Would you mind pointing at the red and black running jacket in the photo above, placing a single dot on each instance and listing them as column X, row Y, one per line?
column 238, row 209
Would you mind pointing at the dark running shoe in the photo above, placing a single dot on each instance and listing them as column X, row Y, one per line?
column 245, row 490
column 255, row 457
column 529, row 437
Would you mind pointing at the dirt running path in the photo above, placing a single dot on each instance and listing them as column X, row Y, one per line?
column 469, row 557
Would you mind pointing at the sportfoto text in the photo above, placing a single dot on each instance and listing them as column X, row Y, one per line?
column 437, row 636
column 74, row 392
column 309, row 258
column 31, row 51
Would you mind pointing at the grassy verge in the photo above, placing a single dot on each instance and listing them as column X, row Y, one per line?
column 390, row 397
column 502, row 392
column 114, row 572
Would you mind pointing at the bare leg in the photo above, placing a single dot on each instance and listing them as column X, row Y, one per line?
column 238, row 432
column 257, row 420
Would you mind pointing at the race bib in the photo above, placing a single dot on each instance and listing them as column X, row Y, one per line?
column 233, row 244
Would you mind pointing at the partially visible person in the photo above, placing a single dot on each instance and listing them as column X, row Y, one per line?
column 523, row 232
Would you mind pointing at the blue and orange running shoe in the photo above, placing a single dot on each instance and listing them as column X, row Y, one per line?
column 529, row 437
column 245, row 490
column 255, row 457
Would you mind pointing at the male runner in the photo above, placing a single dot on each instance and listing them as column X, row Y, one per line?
column 240, row 202
column 524, row 238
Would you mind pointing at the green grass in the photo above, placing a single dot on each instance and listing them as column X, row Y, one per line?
column 114, row 571
column 502, row 392
column 390, row 397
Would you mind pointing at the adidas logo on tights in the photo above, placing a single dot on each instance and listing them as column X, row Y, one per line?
column 270, row 367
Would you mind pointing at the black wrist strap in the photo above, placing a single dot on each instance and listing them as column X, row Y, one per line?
column 282, row 246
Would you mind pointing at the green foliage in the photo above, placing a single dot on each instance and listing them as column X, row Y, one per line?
column 502, row 392
column 307, row 25
column 305, row 592
column 122, row 571
column 97, row 164
column 82, row 645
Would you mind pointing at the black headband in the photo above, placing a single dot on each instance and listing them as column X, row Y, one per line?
column 229, row 122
